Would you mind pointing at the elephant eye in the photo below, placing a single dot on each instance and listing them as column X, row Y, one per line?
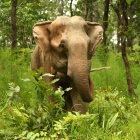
column 62, row 46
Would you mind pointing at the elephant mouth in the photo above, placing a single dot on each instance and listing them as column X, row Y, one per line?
column 61, row 67
column 62, row 70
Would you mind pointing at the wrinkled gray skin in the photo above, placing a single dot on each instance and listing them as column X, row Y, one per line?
column 64, row 48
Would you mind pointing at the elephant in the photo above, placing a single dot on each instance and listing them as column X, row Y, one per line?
column 64, row 48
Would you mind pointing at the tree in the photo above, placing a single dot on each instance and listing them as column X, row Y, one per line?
column 71, row 10
column 105, row 22
column 95, row 12
column 62, row 7
column 91, row 9
column 14, row 23
column 121, row 9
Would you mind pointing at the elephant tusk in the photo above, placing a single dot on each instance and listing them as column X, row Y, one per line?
column 97, row 69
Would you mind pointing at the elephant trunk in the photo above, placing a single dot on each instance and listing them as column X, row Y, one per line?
column 78, row 70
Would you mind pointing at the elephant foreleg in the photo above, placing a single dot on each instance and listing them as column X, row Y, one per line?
column 78, row 104
column 75, row 105
column 73, row 102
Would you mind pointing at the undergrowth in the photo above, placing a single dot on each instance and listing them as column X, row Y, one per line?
column 26, row 113
column 110, row 116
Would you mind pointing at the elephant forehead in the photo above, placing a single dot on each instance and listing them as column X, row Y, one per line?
column 77, row 20
column 61, row 21
column 73, row 22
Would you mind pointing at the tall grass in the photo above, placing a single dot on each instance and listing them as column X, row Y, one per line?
column 14, row 66
column 115, row 77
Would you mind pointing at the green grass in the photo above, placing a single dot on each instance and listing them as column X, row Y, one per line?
column 26, row 115
column 14, row 66
column 115, row 77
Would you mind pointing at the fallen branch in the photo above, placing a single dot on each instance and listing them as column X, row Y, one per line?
column 97, row 69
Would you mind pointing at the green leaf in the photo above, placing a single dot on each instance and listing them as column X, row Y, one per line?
column 128, row 1
column 33, row 137
column 17, row 89
column 68, row 89
column 59, row 91
column 24, row 133
column 8, row 102
column 112, row 120
column 26, row 80
column 30, row 134
column 54, row 81
column 37, row 135
column 43, row 133
column 10, row 93
column 40, row 96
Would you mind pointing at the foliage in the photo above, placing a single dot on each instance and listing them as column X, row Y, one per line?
column 110, row 116
column 5, row 23
column 27, row 114
column 19, row 113
column 115, row 114
column 134, row 57
column 115, row 76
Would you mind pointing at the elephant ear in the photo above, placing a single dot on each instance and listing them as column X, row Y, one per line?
column 95, row 32
column 41, row 35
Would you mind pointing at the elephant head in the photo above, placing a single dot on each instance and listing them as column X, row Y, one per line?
column 70, row 43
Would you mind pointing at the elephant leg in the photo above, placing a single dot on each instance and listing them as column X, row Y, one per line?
column 68, row 102
column 78, row 104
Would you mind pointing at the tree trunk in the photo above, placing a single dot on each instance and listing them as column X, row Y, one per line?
column 62, row 8
column 86, row 11
column 124, row 38
column 71, row 11
column 118, row 47
column 13, row 23
column 95, row 12
column 127, row 67
column 105, row 21
column 91, row 10
column 121, row 9
column 116, row 8
column 105, row 26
